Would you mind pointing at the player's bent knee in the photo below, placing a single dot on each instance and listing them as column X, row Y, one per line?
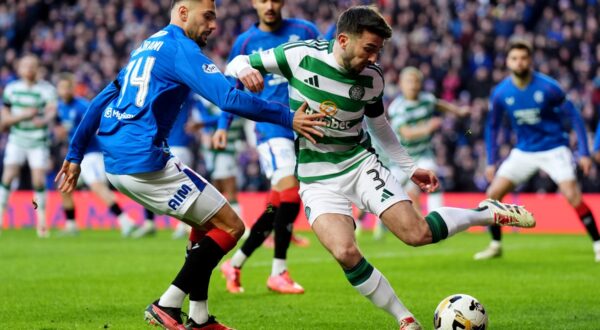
column 347, row 256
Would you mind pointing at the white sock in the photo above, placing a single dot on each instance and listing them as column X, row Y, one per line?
column 458, row 220
column 124, row 222
column 279, row 266
column 238, row 259
column 4, row 192
column 434, row 201
column 148, row 223
column 495, row 244
column 596, row 246
column 173, row 297
column 70, row 225
column 379, row 291
column 199, row 311
column 40, row 198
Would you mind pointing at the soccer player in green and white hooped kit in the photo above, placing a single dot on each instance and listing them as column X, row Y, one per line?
column 341, row 168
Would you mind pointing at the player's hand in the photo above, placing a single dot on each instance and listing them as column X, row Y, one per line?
column 490, row 171
column 586, row 165
column 67, row 177
column 252, row 79
column 305, row 124
column 29, row 113
column 435, row 123
column 219, row 139
column 426, row 180
column 464, row 112
column 38, row 122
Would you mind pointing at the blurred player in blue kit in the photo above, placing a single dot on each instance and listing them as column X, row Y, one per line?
column 536, row 106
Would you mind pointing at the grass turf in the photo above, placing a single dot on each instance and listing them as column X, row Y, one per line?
column 99, row 280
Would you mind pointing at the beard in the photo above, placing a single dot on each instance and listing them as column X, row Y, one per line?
column 522, row 73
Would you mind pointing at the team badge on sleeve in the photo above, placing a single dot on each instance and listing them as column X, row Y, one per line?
column 356, row 92
column 210, row 68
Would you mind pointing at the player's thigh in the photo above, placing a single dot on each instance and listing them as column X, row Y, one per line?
column 225, row 166
column 323, row 197
column 558, row 163
column 38, row 158
column 374, row 188
column 184, row 154
column 519, row 166
column 14, row 156
column 172, row 190
column 224, row 218
column 336, row 234
column 92, row 168
column 571, row 190
column 277, row 159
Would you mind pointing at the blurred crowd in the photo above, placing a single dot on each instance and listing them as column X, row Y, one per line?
column 458, row 45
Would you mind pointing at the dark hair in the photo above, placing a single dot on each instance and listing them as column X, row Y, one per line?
column 518, row 43
column 174, row 2
column 357, row 19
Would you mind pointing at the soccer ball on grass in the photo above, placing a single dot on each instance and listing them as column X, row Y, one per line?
column 460, row 311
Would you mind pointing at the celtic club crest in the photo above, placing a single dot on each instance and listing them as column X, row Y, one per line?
column 356, row 92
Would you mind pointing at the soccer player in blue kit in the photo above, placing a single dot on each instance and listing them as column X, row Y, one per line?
column 275, row 148
column 133, row 116
column 536, row 106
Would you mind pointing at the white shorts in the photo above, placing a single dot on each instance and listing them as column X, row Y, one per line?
column 37, row 158
column 371, row 187
column 277, row 158
column 184, row 154
column 92, row 168
column 425, row 162
column 521, row 165
column 222, row 165
column 172, row 191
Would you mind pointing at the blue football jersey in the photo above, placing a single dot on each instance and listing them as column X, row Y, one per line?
column 70, row 115
column 597, row 140
column 134, row 114
column 537, row 115
column 179, row 137
column 276, row 88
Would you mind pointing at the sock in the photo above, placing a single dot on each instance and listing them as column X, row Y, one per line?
column 173, row 297
column 434, row 201
column 494, row 244
column 596, row 246
column 284, row 220
column 198, row 311
column 586, row 217
column 194, row 276
column 149, row 215
column 260, row 230
column 238, row 259
column 369, row 282
column 279, row 266
column 4, row 192
column 40, row 198
column 115, row 209
column 447, row 221
column 124, row 222
column 496, row 232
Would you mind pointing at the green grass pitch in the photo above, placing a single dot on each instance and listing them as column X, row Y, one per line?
column 99, row 280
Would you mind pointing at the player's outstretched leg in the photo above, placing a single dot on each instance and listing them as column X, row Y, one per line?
column 280, row 279
column 336, row 233
column 444, row 222
column 261, row 229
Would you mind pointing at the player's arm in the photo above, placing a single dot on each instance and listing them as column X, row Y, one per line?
column 585, row 162
column 448, row 107
column 420, row 130
column 212, row 85
column 7, row 119
column 381, row 130
column 597, row 145
column 492, row 127
column 249, row 69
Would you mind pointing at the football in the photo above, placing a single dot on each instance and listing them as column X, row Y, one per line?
column 460, row 311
